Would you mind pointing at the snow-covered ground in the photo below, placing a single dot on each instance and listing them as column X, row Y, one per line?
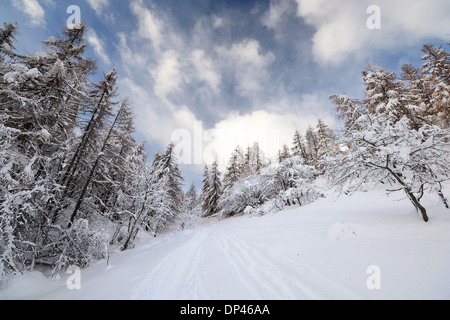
column 320, row 251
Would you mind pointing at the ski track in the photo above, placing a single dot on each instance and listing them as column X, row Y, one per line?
column 264, row 271
column 261, row 273
column 177, row 276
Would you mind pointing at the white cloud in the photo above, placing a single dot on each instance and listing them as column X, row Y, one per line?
column 98, row 46
column 150, row 26
column 205, row 70
column 32, row 9
column 274, row 15
column 342, row 33
column 268, row 126
column 50, row 3
column 156, row 119
column 98, row 5
column 249, row 65
column 167, row 75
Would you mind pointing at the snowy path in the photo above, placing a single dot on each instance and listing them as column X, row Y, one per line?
column 247, row 270
column 321, row 251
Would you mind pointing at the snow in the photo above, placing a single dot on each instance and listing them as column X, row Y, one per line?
column 10, row 77
column 32, row 73
column 6, row 47
column 45, row 134
column 325, row 250
column 51, row 40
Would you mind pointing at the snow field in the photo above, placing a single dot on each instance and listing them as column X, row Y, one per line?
column 320, row 251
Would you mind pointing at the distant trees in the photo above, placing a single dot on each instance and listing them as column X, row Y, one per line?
column 212, row 190
column 398, row 135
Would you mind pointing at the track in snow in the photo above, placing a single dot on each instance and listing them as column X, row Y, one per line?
column 216, row 265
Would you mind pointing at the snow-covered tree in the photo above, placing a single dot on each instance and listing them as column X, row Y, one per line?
column 191, row 198
column 290, row 182
column 135, row 198
column 62, row 154
column 167, row 191
column 249, row 192
column 312, row 146
column 284, row 153
column 326, row 143
column 299, row 148
column 436, row 71
column 205, row 189
column 298, row 182
column 388, row 144
column 213, row 192
column 234, row 169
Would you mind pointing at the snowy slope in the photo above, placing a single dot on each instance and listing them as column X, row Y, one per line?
column 320, row 251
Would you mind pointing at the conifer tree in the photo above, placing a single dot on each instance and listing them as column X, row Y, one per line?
column 214, row 191
column 234, row 169
column 299, row 148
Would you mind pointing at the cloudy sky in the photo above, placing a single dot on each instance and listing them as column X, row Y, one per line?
column 213, row 74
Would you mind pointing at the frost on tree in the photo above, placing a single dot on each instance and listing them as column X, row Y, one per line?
column 290, row 182
column 63, row 154
column 389, row 139
column 212, row 190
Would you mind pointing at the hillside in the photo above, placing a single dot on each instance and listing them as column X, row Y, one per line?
column 320, row 251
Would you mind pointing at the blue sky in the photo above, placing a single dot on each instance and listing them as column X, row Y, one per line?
column 244, row 70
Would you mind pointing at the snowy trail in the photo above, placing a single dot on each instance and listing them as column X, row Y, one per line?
column 249, row 271
column 321, row 251
column 178, row 275
column 269, row 275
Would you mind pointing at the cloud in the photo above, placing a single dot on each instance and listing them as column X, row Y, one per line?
column 156, row 119
column 267, row 126
column 249, row 65
column 50, row 3
column 98, row 5
column 167, row 75
column 274, row 15
column 150, row 25
column 33, row 10
column 98, row 46
column 205, row 70
column 342, row 33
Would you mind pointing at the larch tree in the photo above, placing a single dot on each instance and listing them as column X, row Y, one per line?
column 386, row 142
column 234, row 169
column 299, row 148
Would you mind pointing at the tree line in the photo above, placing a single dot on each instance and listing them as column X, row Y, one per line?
column 397, row 136
column 73, row 180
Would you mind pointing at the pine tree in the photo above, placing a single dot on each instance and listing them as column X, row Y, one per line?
column 205, row 189
column 212, row 194
column 312, row 145
column 79, row 164
column 284, row 153
column 134, row 199
column 167, row 194
column 7, row 39
column 299, row 148
column 191, row 198
column 101, row 159
column 326, row 146
column 234, row 169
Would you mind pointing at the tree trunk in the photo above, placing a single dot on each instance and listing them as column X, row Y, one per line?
column 410, row 195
